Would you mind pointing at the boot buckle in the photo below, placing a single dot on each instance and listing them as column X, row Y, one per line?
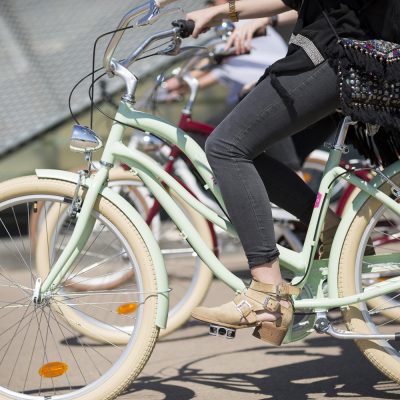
column 223, row 331
column 271, row 304
column 245, row 308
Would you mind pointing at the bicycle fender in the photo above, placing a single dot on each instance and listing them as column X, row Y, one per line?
column 344, row 226
column 142, row 227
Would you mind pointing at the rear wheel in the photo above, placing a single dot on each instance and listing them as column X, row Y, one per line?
column 41, row 354
column 358, row 271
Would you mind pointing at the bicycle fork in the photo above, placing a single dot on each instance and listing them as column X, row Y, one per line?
column 80, row 235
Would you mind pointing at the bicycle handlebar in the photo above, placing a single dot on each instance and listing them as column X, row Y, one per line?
column 182, row 29
column 151, row 9
column 158, row 36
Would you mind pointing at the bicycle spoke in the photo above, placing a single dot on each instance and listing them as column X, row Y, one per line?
column 117, row 328
column 31, row 358
column 57, row 347
column 84, row 254
column 83, row 346
column 16, row 247
column 14, row 335
column 97, row 306
column 3, row 274
column 66, row 341
column 12, row 326
column 19, row 353
column 11, row 306
column 94, row 266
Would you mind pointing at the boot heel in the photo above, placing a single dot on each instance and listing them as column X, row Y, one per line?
column 270, row 333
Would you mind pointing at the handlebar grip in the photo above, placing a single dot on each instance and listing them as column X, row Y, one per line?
column 186, row 27
column 163, row 3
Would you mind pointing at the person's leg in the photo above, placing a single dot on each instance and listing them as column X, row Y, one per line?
column 261, row 119
column 315, row 136
column 284, row 151
column 280, row 193
column 305, row 142
column 283, row 186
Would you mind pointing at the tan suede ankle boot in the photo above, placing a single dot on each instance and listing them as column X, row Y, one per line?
column 241, row 312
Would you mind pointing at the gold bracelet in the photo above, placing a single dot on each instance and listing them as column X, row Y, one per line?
column 233, row 15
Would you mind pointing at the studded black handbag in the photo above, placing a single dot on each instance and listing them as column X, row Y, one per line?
column 369, row 79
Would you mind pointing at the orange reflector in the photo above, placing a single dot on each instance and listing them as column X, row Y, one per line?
column 127, row 308
column 53, row 369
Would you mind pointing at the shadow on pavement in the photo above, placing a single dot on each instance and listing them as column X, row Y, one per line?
column 344, row 376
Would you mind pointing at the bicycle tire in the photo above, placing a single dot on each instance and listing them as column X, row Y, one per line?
column 128, row 362
column 371, row 316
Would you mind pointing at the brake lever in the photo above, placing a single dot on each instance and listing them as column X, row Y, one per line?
column 173, row 49
column 155, row 14
column 187, row 48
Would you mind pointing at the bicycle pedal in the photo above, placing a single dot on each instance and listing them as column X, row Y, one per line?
column 223, row 331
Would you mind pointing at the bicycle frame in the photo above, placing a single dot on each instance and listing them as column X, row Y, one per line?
column 302, row 265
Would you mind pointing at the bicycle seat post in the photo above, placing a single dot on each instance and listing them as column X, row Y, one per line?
column 338, row 148
column 340, row 138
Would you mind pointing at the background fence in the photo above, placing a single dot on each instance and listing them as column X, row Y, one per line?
column 46, row 46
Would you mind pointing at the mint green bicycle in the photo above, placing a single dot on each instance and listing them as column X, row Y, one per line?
column 58, row 342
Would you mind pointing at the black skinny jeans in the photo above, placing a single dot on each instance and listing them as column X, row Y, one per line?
column 244, row 173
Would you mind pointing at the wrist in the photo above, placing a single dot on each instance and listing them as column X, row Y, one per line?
column 220, row 12
column 273, row 21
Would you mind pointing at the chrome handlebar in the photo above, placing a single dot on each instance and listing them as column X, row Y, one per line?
column 170, row 33
column 150, row 13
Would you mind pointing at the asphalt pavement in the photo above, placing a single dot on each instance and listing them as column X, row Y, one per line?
column 190, row 364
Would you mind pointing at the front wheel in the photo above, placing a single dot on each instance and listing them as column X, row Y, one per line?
column 358, row 270
column 42, row 355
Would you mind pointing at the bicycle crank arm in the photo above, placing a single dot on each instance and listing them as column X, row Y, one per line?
column 323, row 325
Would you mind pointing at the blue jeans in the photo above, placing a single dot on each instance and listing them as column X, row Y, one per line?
column 245, row 174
